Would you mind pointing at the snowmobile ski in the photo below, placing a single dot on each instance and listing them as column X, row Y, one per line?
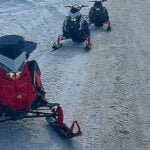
column 108, row 28
column 88, row 43
column 56, row 46
column 61, row 128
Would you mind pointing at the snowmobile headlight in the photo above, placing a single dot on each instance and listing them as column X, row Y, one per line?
column 98, row 9
column 14, row 75
column 73, row 19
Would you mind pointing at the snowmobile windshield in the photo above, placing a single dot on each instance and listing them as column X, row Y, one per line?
column 12, row 64
column 75, row 9
column 75, row 15
column 98, row 5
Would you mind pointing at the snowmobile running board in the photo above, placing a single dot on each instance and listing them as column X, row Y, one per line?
column 54, row 118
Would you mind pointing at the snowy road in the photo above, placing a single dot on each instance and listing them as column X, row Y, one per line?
column 106, row 89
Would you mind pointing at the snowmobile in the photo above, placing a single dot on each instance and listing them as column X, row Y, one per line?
column 22, row 94
column 98, row 15
column 75, row 27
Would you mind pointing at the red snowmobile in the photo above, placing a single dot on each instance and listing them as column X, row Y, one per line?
column 21, row 92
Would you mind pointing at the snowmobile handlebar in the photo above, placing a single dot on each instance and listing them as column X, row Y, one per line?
column 79, row 6
column 98, row 1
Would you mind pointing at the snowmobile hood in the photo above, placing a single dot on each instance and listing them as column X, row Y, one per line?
column 13, row 64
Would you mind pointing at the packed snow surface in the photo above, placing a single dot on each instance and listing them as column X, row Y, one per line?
column 106, row 89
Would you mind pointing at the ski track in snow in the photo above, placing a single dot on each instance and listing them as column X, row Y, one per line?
column 105, row 89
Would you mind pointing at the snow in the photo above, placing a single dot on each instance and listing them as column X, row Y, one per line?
column 105, row 89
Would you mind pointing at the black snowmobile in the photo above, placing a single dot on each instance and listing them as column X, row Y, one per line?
column 21, row 91
column 75, row 27
column 98, row 14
